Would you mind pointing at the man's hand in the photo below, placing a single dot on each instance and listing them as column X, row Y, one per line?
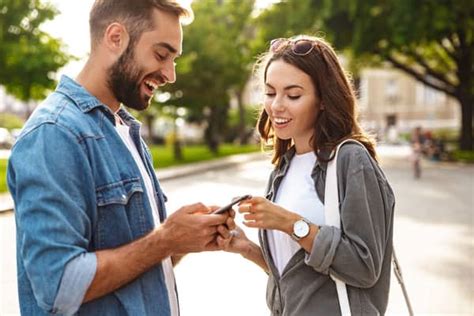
column 189, row 229
column 192, row 229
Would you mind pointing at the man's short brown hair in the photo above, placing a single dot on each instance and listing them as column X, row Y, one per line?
column 136, row 15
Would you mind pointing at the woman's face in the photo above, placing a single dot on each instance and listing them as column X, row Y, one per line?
column 291, row 104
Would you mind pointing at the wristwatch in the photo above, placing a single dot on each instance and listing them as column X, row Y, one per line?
column 300, row 229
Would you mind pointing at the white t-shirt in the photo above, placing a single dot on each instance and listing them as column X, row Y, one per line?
column 123, row 131
column 298, row 195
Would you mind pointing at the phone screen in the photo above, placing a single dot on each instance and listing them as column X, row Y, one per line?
column 227, row 207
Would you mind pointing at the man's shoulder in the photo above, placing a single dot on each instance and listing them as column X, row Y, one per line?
column 60, row 111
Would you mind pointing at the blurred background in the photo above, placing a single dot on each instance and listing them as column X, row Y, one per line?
column 412, row 64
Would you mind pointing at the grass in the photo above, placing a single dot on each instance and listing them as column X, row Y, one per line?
column 463, row 155
column 3, row 175
column 163, row 157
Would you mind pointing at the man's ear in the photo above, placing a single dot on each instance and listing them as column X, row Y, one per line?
column 116, row 38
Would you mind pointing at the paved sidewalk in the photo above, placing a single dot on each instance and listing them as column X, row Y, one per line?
column 6, row 201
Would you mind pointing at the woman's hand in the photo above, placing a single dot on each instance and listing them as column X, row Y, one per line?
column 232, row 238
column 236, row 241
column 262, row 213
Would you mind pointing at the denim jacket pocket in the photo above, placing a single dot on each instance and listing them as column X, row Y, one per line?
column 121, row 213
column 119, row 192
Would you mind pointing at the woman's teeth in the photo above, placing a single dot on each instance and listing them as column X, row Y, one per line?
column 280, row 120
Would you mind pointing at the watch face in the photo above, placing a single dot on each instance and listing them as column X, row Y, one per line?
column 301, row 229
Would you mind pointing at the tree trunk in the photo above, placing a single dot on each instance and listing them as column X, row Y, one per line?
column 241, row 128
column 177, row 148
column 149, row 127
column 211, row 137
column 217, row 122
column 466, row 138
column 464, row 94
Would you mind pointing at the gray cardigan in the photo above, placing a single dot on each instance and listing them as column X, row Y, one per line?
column 359, row 253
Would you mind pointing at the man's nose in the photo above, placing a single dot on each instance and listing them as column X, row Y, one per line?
column 169, row 72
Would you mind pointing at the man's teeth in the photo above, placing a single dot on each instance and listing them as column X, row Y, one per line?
column 151, row 84
column 279, row 120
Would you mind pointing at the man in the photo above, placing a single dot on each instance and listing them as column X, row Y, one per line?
column 92, row 233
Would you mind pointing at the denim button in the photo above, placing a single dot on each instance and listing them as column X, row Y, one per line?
column 123, row 196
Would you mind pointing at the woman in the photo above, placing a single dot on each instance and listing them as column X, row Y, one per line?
column 309, row 109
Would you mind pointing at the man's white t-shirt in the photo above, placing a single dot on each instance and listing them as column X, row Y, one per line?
column 298, row 195
column 124, row 132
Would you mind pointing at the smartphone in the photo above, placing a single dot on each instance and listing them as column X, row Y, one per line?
column 227, row 207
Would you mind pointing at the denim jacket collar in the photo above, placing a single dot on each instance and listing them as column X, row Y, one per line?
column 84, row 100
column 87, row 102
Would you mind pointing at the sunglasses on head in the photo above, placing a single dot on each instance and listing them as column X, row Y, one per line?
column 300, row 47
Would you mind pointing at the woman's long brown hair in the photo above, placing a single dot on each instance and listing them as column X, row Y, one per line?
column 337, row 116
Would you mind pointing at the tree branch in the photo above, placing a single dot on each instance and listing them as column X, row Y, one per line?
column 427, row 68
column 451, row 51
column 446, row 88
column 441, row 51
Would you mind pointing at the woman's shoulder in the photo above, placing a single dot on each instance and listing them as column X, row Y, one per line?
column 354, row 150
column 354, row 157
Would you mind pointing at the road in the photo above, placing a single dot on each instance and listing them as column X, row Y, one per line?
column 433, row 237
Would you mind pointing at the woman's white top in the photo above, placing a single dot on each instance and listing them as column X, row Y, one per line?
column 296, row 194
column 124, row 132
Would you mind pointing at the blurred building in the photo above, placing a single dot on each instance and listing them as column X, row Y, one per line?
column 392, row 100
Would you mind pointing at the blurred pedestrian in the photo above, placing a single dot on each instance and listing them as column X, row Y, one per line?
column 309, row 109
column 92, row 232
column 417, row 143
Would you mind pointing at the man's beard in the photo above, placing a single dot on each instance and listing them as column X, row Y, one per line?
column 124, row 81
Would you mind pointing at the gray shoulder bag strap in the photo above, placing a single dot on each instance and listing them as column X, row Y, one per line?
column 332, row 217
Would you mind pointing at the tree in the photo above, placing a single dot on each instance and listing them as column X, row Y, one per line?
column 214, row 63
column 430, row 40
column 28, row 56
column 284, row 19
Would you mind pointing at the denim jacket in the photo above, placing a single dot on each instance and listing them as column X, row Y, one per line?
column 77, row 190
column 359, row 253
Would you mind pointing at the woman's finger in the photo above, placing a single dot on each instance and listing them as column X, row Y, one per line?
column 245, row 208
column 251, row 224
column 249, row 217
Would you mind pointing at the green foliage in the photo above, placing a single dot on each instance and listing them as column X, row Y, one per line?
column 28, row 56
column 3, row 175
column 430, row 40
column 163, row 155
column 10, row 121
column 251, row 116
column 286, row 19
column 463, row 155
column 216, row 59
